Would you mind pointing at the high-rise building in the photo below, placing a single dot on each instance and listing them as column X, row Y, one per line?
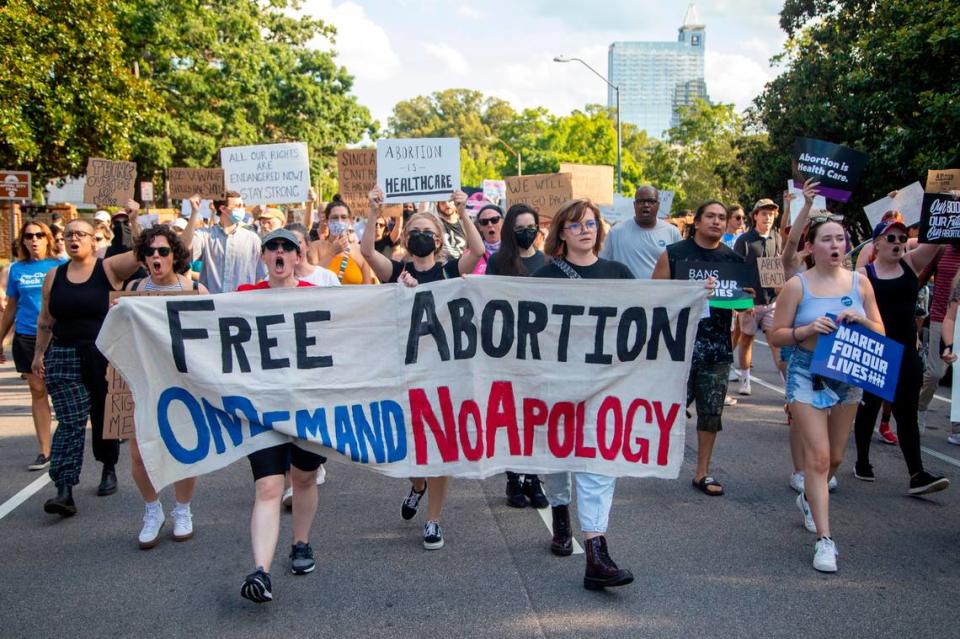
column 657, row 78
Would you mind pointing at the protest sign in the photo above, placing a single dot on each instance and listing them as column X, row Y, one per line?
column 466, row 377
column 940, row 180
column 356, row 176
column 666, row 204
column 591, row 181
column 495, row 191
column 206, row 208
column 185, row 183
column 15, row 185
column 267, row 173
column 835, row 167
column 545, row 192
column 770, row 270
column 418, row 169
column 940, row 219
column 855, row 355
column 909, row 202
column 731, row 277
column 819, row 202
column 109, row 182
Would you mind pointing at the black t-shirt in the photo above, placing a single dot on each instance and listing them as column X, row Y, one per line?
column 753, row 245
column 533, row 263
column 454, row 237
column 600, row 270
column 897, row 303
column 713, row 333
column 445, row 271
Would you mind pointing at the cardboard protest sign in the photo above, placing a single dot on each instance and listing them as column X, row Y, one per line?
column 267, row 173
column 184, row 183
column 109, row 182
column 940, row 180
column 909, row 202
column 770, row 270
column 835, row 167
column 356, row 177
column 857, row 356
column 666, row 204
column 591, row 181
column 731, row 277
column 443, row 380
column 495, row 191
column 819, row 202
column 418, row 169
column 545, row 192
column 940, row 219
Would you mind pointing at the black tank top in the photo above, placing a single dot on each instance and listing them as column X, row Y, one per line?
column 79, row 309
column 897, row 301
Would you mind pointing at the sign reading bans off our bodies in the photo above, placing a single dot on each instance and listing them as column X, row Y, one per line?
column 466, row 377
column 267, row 173
column 418, row 169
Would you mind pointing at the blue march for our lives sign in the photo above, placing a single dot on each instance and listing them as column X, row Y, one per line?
column 859, row 357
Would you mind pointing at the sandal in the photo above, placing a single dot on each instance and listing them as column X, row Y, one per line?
column 704, row 486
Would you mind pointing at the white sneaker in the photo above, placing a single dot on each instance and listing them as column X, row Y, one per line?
column 321, row 477
column 804, row 507
column 825, row 555
column 182, row 522
column 745, row 384
column 954, row 439
column 153, row 521
column 734, row 375
column 796, row 481
column 832, row 484
column 729, row 401
column 287, row 499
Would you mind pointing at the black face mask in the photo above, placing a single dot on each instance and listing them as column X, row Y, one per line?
column 421, row 245
column 525, row 237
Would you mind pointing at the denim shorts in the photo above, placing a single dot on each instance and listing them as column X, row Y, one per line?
column 786, row 352
column 800, row 384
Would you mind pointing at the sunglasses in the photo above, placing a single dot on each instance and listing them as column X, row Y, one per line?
column 822, row 219
column 896, row 238
column 32, row 236
column 418, row 233
column 580, row 229
column 489, row 220
column 276, row 245
column 162, row 251
column 79, row 235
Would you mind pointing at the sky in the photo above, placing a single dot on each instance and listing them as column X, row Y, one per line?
column 399, row 49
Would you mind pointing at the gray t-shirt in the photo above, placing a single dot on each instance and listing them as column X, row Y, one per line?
column 637, row 247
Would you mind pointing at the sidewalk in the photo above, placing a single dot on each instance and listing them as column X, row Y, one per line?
column 15, row 420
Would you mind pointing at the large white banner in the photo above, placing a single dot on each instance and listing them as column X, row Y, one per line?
column 267, row 173
column 466, row 377
column 418, row 169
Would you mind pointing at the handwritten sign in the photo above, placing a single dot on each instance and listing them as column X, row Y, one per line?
column 184, row 183
column 418, row 169
column 859, row 357
column 15, row 185
column 771, row 272
column 267, row 173
column 666, row 204
column 545, row 192
column 109, row 182
column 940, row 219
column 591, row 181
column 940, row 180
column 118, row 408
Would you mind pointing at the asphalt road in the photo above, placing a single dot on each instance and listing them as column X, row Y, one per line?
column 734, row 566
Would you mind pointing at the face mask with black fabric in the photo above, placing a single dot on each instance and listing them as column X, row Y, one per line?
column 421, row 245
column 525, row 237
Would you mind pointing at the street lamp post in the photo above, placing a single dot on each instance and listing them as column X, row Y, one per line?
column 616, row 91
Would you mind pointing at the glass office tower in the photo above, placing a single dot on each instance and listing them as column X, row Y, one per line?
column 656, row 78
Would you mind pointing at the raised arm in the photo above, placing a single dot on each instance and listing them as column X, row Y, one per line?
column 120, row 268
column 471, row 257
column 308, row 209
column 187, row 236
column 382, row 267
column 791, row 260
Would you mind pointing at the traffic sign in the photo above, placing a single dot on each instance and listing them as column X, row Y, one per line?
column 15, row 185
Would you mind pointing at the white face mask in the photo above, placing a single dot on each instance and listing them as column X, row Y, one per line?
column 237, row 215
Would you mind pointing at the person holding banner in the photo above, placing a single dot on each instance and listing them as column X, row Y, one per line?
column 340, row 254
column 423, row 242
column 823, row 409
column 894, row 277
column 35, row 253
column 76, row 297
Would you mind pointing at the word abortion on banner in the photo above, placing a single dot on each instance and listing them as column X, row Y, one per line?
column 109, row 182
column 940, row 219
column 185, row 183
column 835, row 167
column 267, row 173
column 591, row 181
column 857, row 356
column 418, row 169
column 15, row 185
column 490, row 374
column 731, row 279
column 545, row 192
column 940, row 180
column 909, row 201
column 770, row 270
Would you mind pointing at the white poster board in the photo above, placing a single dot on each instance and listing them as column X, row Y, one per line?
column 71, row 192
column 909, row 201
column 495, row 191
column 819, row 202
column 666, row 204
column 267, row 173
column 186, row 210
column 418, row 169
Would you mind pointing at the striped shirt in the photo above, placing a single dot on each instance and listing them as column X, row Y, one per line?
column 229, row 260
column 947, row 268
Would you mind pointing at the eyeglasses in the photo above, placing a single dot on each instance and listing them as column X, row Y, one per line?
column 895, row 238
column 276, row 245
column 736, row 218
column 580, row 229
column 418, row 233
column 79, row 235
column 32, row 236
column 489, row 220
column 646, row 200
column 531, row 227
column 381, row 225
column 163, row 251
column 99, row 238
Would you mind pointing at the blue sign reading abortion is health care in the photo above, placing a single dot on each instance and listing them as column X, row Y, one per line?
column 859, row 357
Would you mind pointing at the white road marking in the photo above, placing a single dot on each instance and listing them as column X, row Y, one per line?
column 543, row 512
column 32, row 489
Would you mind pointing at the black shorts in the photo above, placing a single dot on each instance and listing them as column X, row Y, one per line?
column 23, row 347
column 277, row 460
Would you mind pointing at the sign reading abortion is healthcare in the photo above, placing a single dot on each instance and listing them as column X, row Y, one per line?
column 835, row 167
column 857, row 356
column 418, row 169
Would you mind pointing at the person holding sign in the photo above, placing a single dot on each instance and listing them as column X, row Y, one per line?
column 423, row 242
column 162, row 253
column 823, row 409
column 76, row 297
column 894, row 277
column 712, row 350
column 340, row 254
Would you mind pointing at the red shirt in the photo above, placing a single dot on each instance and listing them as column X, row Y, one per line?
column 266, row 284
column 947, row 268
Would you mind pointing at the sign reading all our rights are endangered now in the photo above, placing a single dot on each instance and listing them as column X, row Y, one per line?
column 418, row 169
column 857, row 356
column 267, row 173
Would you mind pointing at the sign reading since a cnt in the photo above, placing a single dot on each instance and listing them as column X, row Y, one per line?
column 15, row 185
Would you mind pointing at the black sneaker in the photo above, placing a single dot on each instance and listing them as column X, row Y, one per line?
column 863, row 472
column 257, row 587
column 534, row 491
column 515, row 496
column 432, row 535
column 40, row 462
column 923, row 483
column 412, row 502
column 301, row 558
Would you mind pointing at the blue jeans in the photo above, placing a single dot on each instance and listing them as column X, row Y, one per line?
column 594, row 497
column 801, row 386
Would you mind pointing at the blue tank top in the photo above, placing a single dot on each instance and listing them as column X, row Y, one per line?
column 813, row 306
